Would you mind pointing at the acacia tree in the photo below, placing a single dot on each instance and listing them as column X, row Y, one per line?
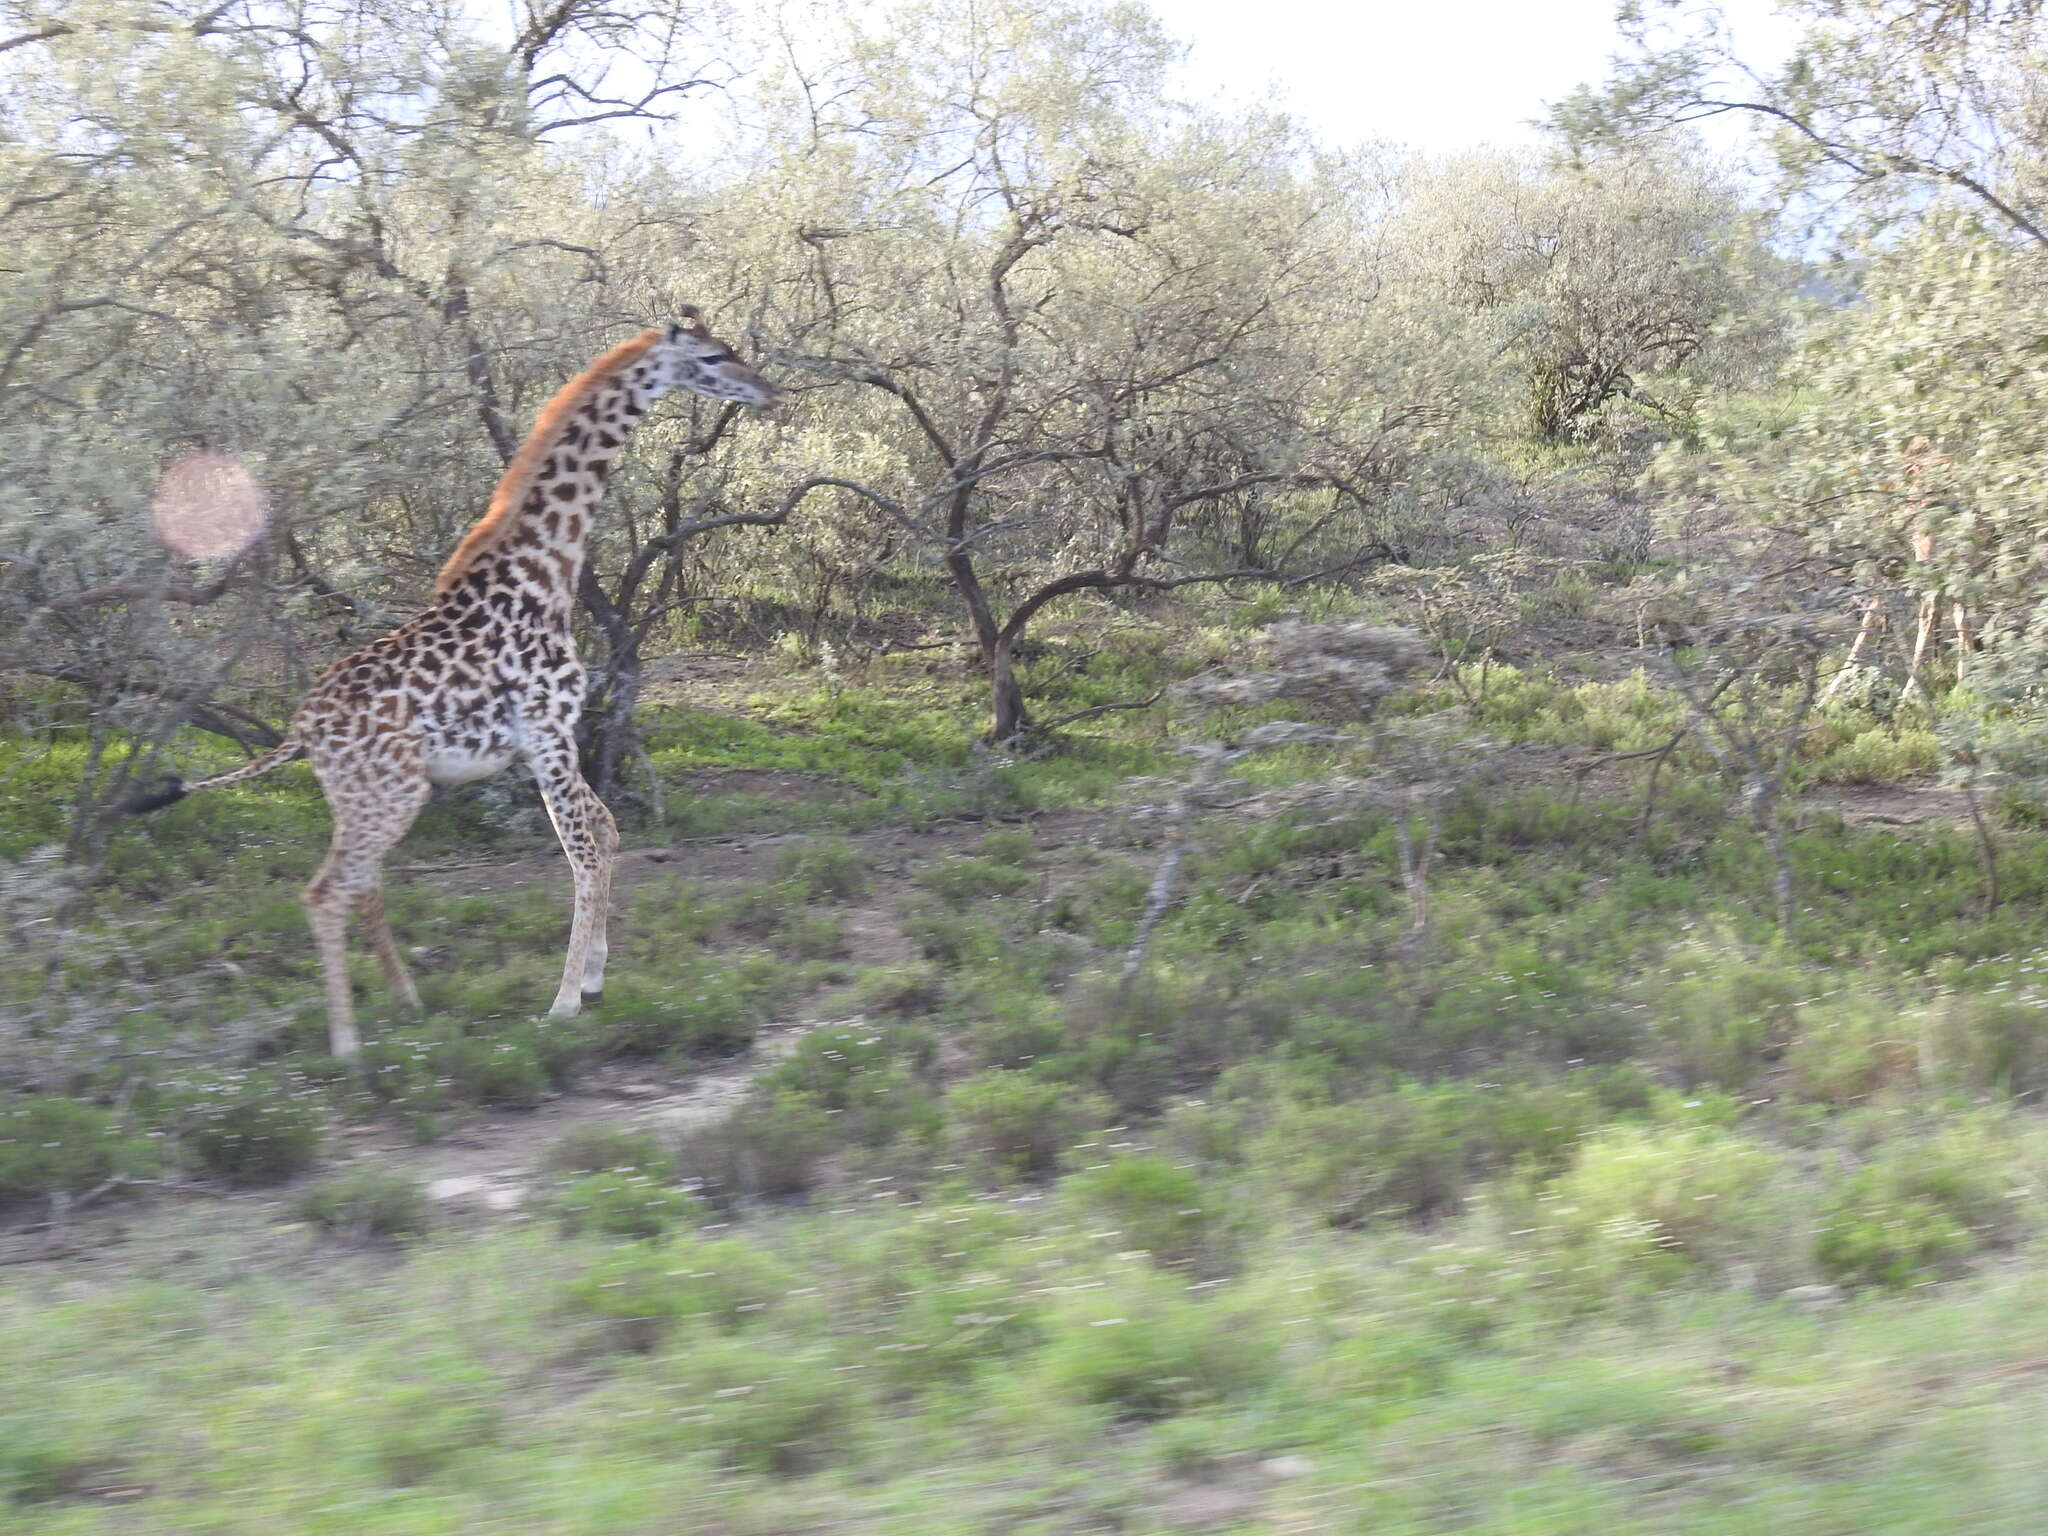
column 1880, row 104
column 1633, row 275
column 1077, row 334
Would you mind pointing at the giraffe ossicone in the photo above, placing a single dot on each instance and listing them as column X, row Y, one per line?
column 488, row 675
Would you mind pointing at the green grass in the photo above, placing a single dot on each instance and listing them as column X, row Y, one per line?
column 1598, row 1206
column 915, row 1366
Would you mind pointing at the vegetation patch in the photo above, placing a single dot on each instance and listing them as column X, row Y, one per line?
column 58, row 1146
column 367, row 1205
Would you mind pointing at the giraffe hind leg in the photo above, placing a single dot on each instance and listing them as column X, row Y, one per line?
column 328, row 918
column 373, row 800
column 370, row 908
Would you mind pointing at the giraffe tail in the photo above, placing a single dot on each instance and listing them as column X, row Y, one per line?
column 170, row 789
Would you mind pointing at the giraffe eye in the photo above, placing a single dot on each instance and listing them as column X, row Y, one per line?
column 716, row 357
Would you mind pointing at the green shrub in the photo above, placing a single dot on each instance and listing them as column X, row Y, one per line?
column 1011, row 845
column 561, row 1046
column 509, row 989
column 52, row 1146
column 1381, row 1364
column 1156, row 1207
column 1538, row 1124
column 2016, row 807
column 623, row 1202
column 1999, row 1043
column 609, row 1149
column 1105, row 908
column 418, row 1428
column 906, row 990
column 952, row 937
column 1415, row 1151
column 960, row 878
column 1208, row 1134
column 810, row 936
column 954, row 1323
column 762, row 910
column 1880, row 757
column 502, row 1073
column 647, row 1290
column 1394, row 1155
column 1014, row 1125
column 366, row 1205
column 1198, row 1446
column 399, row 1071
column 1651, row 1202
column 249, row 1128
column 704, row 1010
column 1148, row 1352
column 38, row 1463
column 1918, row 1210
column 1173, row 1031
column 1879, row 1237
column 871, row 1077
column 772, row 1144
column 785, row 1413
column 1722, row 1017
column 1848, row 1048
column 676, row 910
column 1019, row 1027
column 829, row 1062
column 514, row 1066
column 834, row 871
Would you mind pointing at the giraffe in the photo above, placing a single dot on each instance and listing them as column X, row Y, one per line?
column 487, row 676
column 1920, row 458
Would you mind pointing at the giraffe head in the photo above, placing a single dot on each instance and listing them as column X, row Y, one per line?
column 688, row 356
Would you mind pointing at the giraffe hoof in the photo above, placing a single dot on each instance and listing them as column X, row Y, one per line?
column 593, row 997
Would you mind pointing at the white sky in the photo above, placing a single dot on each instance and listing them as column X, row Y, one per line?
column 1433, row 74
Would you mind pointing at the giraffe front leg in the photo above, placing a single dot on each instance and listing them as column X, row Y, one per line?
column 594, row 956
column 590, row 839
column 1930, row 608
column 1873, row 620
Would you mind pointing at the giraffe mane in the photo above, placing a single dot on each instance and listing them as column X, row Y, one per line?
column 518, row 476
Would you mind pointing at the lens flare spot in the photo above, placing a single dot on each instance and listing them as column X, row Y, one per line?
column 207, row 506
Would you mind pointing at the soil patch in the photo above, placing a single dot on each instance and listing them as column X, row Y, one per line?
column 765, row 783
column 1891, row 805
column 749, row 857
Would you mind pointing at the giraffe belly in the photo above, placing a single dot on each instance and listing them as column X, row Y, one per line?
column 463, row 760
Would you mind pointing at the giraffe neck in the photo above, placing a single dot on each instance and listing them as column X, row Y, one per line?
column 541, row 554
column 524, row 558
